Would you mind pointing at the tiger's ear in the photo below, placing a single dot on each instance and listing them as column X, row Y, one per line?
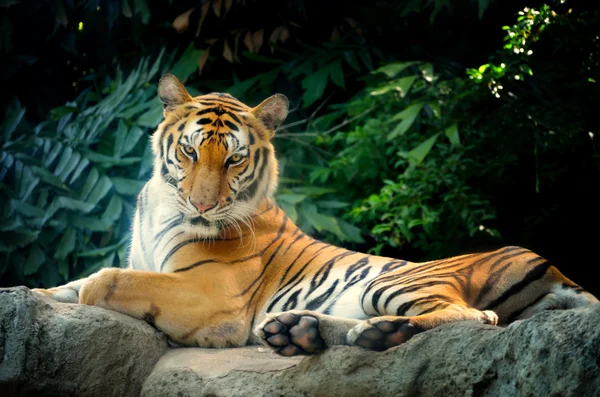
column 171, row 92
column 272, row 111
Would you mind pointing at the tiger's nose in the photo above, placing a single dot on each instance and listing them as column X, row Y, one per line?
column 202, row 208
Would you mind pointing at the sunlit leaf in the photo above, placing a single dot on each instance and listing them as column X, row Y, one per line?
column 407, row 116
column 418, row 154
column 452, row 134
column 393, row 69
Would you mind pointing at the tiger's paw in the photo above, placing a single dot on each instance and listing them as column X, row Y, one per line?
column 489, row 317
column 291, row 334
column 382, row 334
column 59, row 294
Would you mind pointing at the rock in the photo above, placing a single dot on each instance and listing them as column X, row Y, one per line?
column 552, row 354
column 51, row 348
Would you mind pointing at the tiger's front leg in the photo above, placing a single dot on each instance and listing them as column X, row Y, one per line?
column 68, row 293
column 172, row 303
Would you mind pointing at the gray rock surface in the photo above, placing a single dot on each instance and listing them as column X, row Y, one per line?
column 50, row 349
column 552, row 354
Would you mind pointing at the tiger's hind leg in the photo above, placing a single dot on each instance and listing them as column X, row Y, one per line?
column 381, row 333
column 303, row 332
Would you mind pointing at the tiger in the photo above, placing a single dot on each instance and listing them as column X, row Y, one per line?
column 214, row 262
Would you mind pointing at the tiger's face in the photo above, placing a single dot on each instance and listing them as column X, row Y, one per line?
column 214, row 155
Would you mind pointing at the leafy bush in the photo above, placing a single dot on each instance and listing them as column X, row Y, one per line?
column 70, row 183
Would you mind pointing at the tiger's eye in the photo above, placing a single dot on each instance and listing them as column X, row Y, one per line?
column 236, row 157
column 189, row 150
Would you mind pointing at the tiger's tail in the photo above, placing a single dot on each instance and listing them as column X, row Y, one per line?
column 564, row 294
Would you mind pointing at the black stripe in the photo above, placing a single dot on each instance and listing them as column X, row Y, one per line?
column 402, row 291
column 204, row 121
column 291, row 303
column 231, row 125
column 319, row 300
column 393, row 265
column 262, row 273
column 323, row 272
column 290, row 266
column 175, row 249
column 355, row 266
column 282, row 294
column 251, row 190
column 406, row 306
column 439, row 306
column 517, row 313
column 494, row 276
column 171, row 223
column 295, row 240
column 353, row 281
column 533, row 275
column 220, row 101
column 203, row 262
column 234, row 117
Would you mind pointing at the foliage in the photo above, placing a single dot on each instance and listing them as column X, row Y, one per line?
column 439, row 152
column 70, row 183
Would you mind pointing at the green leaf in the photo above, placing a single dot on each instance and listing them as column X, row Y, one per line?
column 90, row 182
column 107, row 161
column 336, row 73
column 34, row 260
column 80, row 167
column 62, row 111
column 427, row 72
column 483, row 5
column 133, row 137
column 291, row 198
column 351, row 232
column 100, row 190
column 393, row 69
column 322, row 222
column 452, row 134
column 101, row 251
column 90, row 223
column 113, row 209
column 120, row 136
column 66, row 245
column 334, row 204
column 48, row 177
column 313, row 190
column 187, row 63
column 407, row 116
column 141, row 7
column 26, row 209
column 105, row 262
column 63, row 202
column 402, row 85
column 12, row 117
column 127, row 187
column 314, row 85
column 153, row 116
column 289, row 209
column 418, row 154
column 351, row 59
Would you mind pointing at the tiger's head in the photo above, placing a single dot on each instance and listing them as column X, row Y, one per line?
column 214, row 155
